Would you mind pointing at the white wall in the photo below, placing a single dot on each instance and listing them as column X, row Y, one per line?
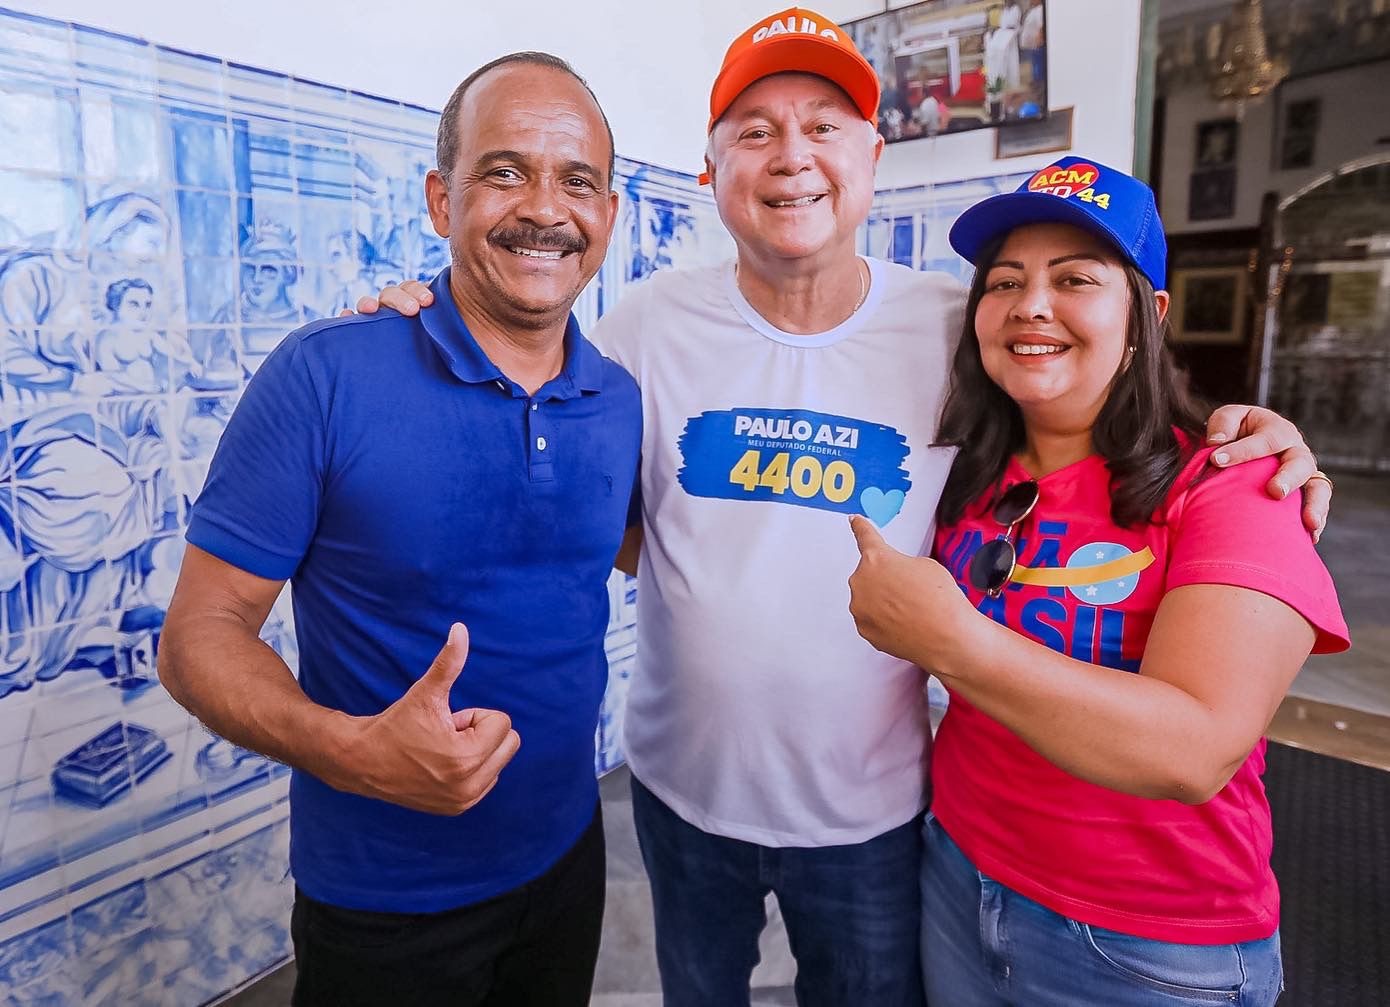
column 1355, row 113
column 649, row 61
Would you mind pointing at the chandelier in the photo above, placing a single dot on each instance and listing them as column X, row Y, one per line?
column 1242, row 67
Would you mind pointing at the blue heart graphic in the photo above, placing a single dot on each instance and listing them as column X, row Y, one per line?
column 881, row 507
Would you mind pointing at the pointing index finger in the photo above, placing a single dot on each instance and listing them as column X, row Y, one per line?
column 865, row 534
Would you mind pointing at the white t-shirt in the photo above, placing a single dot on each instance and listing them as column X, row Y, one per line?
column 756, row 711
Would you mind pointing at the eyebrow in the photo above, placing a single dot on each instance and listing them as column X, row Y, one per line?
column 1076, row 256
column 572, row 166
column 815, row 105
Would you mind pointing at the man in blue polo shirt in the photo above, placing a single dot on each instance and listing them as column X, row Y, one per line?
column 472, row 466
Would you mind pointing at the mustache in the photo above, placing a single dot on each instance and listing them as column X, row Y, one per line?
column 538, row 237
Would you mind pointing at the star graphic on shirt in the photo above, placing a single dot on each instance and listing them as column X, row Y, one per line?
column 1092, row 591
column 1100, row 554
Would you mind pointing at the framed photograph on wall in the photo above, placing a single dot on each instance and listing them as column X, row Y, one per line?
column 1299, row 133
column 1044, row 136
column 1211, row 194
column 953, row 65
column 1216, row 144
column 1209, row 304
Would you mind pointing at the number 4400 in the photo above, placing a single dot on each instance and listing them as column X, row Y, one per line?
column 805, row 477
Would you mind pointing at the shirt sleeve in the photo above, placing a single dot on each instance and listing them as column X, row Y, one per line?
column 1230, row 531
column 260, row 505
column 618, row 334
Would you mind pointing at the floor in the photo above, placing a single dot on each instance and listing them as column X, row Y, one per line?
column 1340, row 705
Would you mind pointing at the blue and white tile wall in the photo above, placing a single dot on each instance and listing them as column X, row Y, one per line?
column 165, row 219
column 910, row 225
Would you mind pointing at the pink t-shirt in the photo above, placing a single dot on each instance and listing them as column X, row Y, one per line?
column 1153, row 868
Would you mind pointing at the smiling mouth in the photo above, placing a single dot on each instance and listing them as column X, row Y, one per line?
column 1037, row 349
column 780, row 204
column 536, row 253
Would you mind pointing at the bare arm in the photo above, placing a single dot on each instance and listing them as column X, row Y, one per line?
column 630, row 551
column 216, row 666
column 1217, row 662
column 416, row 753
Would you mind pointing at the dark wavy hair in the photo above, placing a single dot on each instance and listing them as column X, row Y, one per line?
column 1135, row 431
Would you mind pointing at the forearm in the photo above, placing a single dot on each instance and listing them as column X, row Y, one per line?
column 217, row 668
column 1120, row 730
column 630, row 551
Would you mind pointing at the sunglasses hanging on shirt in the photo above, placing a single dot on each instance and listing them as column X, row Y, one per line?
column 993, row 565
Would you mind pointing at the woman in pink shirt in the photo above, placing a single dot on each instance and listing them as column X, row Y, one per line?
column 1116, row 623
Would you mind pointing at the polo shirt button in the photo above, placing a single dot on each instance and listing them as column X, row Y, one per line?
column 540, row 443
column 535, row 406
column 502, row 385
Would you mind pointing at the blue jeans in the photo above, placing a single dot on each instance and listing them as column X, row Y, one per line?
column 852, row 913
column 984, row 945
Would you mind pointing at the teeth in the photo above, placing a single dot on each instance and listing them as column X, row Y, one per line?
column 1035, row 349
column 803, row 201
column 536, row 253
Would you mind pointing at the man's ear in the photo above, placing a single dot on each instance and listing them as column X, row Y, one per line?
column 437, row 201
column 612, row 211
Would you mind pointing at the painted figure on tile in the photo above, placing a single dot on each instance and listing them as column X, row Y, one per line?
column 351, row 259
column 47, row 305
column 405, row 227
column 266, row 302
column 200, row 422
column 129, row 353
column 88, row 493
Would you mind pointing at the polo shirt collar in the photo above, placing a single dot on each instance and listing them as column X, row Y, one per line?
column 581, row 373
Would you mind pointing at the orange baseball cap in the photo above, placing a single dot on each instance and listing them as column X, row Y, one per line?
column 795, row 40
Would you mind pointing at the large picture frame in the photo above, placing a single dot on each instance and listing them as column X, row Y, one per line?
column 1042, row 136
column 1209, row 304
column 947, row 66
column 1298, row 133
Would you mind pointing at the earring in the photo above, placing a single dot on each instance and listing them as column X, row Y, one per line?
column 1132, row 349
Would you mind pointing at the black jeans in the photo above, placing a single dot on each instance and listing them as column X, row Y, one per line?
column 534, row 946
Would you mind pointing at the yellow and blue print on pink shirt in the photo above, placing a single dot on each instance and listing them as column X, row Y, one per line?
column 797, row 457
column 1083, row 613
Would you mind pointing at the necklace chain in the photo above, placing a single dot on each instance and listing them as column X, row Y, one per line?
column 860, row 269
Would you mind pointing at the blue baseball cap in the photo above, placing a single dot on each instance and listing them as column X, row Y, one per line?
column 1078, row 191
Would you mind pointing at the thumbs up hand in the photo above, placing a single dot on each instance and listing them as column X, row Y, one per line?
column 907, row 606
column 420, row 754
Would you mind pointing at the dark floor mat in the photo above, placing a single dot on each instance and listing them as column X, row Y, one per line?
column 1332, row 858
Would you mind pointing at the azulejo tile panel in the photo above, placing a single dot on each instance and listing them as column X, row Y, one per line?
column 165, row 219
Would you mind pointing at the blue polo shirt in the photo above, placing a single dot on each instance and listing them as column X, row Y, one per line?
column 401, row 482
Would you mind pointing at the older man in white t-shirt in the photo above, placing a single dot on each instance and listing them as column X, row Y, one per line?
column 772, row 749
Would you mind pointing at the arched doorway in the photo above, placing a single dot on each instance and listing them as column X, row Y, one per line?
column 1325, row 362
